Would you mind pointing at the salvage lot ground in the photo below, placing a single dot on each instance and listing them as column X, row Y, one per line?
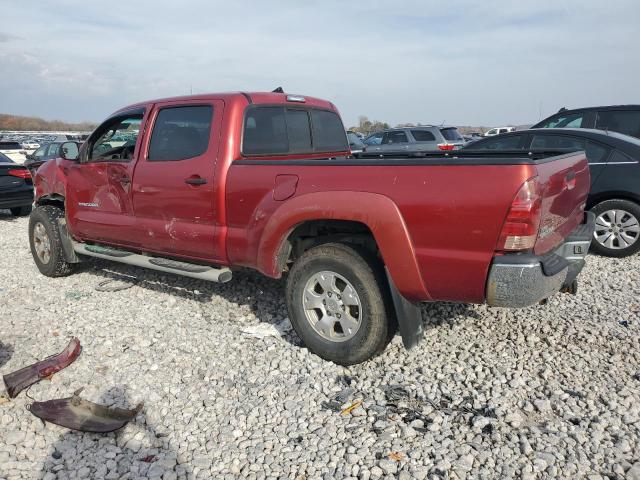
column 548, row 391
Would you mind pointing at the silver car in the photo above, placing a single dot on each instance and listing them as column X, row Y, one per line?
column 414, row 139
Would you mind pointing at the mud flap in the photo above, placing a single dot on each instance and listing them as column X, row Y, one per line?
column 79, row 414
column 408, row 315
column 67, row 244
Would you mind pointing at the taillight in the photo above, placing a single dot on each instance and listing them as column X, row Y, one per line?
column 20, row 173
column 520, row 229
column 446, row 146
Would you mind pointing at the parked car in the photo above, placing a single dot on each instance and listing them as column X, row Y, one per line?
column 355, row 143
column 43, row 154
column 616, row 118
column 13, row 150
column 30, row 145
column 414, row 139
column 265, row 181
column 16, row 187
column 614, row 161
column 498, row 131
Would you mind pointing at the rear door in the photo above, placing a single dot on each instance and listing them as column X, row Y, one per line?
column 173, row 184
column 425, row 141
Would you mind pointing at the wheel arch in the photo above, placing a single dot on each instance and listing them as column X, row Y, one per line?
column 371, row 218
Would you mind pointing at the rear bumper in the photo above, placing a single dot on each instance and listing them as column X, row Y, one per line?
column 520, row 280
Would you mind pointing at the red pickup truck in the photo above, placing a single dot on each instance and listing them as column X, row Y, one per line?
column 198, row 185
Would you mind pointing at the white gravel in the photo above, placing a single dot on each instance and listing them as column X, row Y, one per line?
column 546, row 392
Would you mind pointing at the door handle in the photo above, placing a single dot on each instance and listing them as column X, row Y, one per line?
column 195, row 181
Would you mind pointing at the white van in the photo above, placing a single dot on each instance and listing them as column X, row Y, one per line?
column 498, row 130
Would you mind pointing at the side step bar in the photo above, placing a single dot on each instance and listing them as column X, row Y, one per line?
column 202, row 272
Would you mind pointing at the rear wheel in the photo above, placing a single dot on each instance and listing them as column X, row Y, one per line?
column 44, row 239
column 20, row 211
column 338, row 303
column 617, row 232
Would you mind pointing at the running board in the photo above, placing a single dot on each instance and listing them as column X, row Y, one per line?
column 193, row 270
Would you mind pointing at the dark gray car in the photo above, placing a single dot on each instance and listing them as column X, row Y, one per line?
column 414, row 139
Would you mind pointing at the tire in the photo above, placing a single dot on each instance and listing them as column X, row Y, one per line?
column 617, row 231
column 353, row 271
column 21, row 211
column 44, row 221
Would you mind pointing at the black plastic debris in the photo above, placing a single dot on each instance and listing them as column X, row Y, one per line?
column 79, row 414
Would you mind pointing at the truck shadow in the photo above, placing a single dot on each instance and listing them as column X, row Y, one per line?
column 146, row 451
column 264, row 296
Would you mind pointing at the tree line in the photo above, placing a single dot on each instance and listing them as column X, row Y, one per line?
column 16, row 122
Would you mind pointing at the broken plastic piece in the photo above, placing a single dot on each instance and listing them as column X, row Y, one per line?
column 79, row 414
column 17, row 381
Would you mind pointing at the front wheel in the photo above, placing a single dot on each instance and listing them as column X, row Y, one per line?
column 44, row 239
column 617, row 232
column 338, row 303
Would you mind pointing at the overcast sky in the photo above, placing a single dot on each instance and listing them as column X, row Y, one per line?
column 464, row 63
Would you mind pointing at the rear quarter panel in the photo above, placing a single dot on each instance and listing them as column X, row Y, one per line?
column 453, row 215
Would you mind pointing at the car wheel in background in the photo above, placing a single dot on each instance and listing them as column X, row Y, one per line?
column 44, row 239
column 20, row 211
column 617, row 232
column 339, row 303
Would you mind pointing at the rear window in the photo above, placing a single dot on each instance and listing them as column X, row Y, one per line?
column 10, row 146
column 451, row 134
column 510, row 142
column 328, row 132
column 423, row 136
column 281, row 130
column 5, row 159
column 547, row 142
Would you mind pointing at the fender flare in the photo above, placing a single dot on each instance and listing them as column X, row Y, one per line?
column 378, row 212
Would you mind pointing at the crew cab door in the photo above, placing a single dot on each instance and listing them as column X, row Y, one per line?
column 98, row 202
column 173, row 183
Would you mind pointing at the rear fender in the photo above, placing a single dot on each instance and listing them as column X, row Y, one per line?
column 377, row 212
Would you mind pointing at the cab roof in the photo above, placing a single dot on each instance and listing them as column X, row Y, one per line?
column 246, row 98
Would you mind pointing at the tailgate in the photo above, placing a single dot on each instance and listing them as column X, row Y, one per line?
column 564, row 181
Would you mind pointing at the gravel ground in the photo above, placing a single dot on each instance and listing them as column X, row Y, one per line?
column 545, row 392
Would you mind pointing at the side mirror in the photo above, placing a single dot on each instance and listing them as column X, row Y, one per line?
column 69, row 151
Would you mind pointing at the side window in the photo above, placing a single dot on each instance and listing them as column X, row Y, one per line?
column 328, row 132
column 549, row 142
column 423, row 136
column 623, row 121
column 562, row 121
column 392, row 138
column 512, row 142
column 619, row 157
column 596, row 153
column 40, row 151
column 180, row 133
column 115, row 140
column 493, row 131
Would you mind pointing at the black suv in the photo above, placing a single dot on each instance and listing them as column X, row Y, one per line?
column 616, row 118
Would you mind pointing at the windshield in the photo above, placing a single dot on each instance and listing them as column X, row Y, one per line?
column 451, row 133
